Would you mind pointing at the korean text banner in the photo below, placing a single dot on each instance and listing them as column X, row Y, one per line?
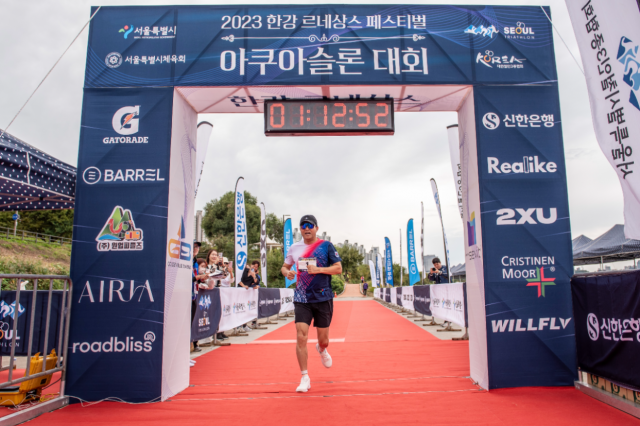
column 120, row 245
column 372, row 272
column 608, row 37
column 607, row 321
column 388, row 260
column 240, row 228
column 526, row 236
column 263, row 244
column 288, row 242
column 318, row 44
column 379, row 270
column 414, row 275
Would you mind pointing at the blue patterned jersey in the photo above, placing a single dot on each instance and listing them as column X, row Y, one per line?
column 317, row 287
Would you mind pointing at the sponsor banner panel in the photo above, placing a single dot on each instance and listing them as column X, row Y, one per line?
column 268, row 302
column 393, row 299
column 422, row 299
column 388, row 260
column 609, row 38
column 407, row 44
column 120, row 244
column 527, row 237
column 607, row 323
column 407, row 298
column 448, row 302
column 239, row 306
column 376, row 293
column 207, row 318
column 399, row 293
column 387, row 295
column 372, row 272
column 9, row 313
column 286, row 300
column 288, row 242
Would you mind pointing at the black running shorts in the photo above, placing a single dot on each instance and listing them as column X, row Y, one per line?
column 320, row 312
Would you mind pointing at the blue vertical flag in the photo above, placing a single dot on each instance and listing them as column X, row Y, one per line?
column 288, row 242
column 388, row 260
column 240, row 230
column 414, row 276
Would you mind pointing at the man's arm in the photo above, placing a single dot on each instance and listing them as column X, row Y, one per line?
column 335, row 269
column 287, row 272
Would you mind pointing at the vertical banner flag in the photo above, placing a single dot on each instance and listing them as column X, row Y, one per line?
column 401, row 271
column 436, row 197
column 608, row 35
column 240, row 230
column 388, row 260
column 422, row 241
column 454, row 153
column 372, row 270
column 288, row 242
column 414, row 276
column 380, row 275
column 203, row 135
column 263, row 243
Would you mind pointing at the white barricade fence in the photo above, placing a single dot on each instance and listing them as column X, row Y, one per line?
column 239, row 306
column 286, row 300
column 407, row 298
column 393, row 292
column 448, row 302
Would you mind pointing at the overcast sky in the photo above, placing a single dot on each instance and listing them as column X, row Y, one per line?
column 361, row 189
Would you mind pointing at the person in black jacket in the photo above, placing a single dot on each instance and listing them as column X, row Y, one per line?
column 438, row 274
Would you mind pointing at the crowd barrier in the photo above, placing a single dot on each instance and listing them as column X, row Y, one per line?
column 225, row 308
column 445, row 301
column 606, row 309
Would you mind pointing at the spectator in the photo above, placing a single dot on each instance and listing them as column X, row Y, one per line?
column 439, row 273
column 196, row 279
column 250, row 280
column 365, row 286
column 228, row 279
column 213, row 264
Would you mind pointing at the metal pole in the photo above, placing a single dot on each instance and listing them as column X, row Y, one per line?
column 33, row 318
column 46, row 329
column 15, row 326
column 401, row 258
column 15, row 228
column 65, row 345
column 60, row 335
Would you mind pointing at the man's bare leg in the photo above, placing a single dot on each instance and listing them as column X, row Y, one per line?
column 302, row 330
column 323, row 338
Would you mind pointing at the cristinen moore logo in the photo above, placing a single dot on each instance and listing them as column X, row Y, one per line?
column 113, row 60
column 491, row 120
column 125, row 121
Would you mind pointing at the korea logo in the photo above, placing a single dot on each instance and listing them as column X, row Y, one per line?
column 491, row 120
column 113, row 60
column 125, row 121
column 592, row 327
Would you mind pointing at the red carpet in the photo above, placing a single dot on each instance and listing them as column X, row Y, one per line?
column 387, row 371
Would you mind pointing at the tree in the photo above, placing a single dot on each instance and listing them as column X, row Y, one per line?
column 396, row 275
column 275, row 259
column 52, row 222
column 275, row 228
column 218, row 222
column 351, row 259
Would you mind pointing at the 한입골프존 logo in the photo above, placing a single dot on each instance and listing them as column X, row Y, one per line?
column 119, row 233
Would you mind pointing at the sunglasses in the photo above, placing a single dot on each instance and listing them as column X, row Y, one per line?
column 307, row 225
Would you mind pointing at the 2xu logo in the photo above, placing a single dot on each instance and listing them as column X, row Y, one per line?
column 507, row 216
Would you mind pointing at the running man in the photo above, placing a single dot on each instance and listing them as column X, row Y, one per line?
column 316, row 261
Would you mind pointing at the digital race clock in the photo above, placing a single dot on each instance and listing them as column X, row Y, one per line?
column 328, row 117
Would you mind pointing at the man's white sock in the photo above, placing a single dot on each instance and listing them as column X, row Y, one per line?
column 304, row 372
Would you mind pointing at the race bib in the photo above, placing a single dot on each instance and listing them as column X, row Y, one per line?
column 303, row 263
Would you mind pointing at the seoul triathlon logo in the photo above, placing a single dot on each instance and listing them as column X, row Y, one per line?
column 113, row 60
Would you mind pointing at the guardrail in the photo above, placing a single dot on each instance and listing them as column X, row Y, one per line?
column 62, row 349
column 22, row 235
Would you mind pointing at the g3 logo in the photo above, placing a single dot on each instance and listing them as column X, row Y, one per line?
column 491, row 120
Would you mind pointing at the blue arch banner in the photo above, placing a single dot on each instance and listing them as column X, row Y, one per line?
column 318, row 44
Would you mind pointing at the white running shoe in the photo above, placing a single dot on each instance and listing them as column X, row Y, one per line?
column 305, row 384
column 247, row 328
column 324, row 356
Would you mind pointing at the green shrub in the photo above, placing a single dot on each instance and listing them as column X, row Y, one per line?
column 337, row 284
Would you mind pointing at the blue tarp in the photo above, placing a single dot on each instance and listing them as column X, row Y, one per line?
column 33, row 180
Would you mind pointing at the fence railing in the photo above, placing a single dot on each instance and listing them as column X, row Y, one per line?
column 7, row 233
column 61, row 349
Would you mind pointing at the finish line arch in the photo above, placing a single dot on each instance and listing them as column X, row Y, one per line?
column 151, row 70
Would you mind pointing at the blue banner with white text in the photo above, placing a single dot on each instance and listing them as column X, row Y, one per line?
column 388, row 260
column 120, row 244
column 318, row 45
column 288, row 242
column 414, row 275
column 526, row 236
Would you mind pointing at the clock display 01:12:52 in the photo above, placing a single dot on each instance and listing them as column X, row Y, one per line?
column 329, row 117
